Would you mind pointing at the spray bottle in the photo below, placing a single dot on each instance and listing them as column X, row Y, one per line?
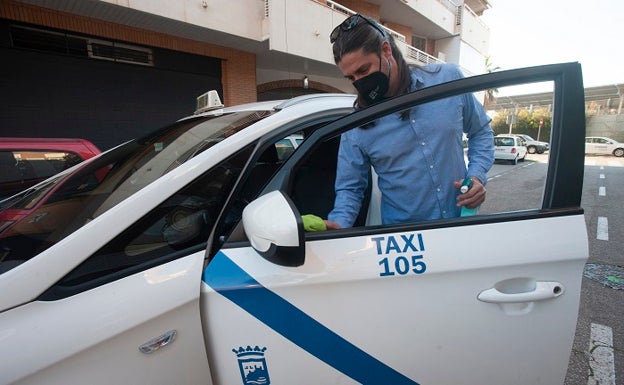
column 465, row 186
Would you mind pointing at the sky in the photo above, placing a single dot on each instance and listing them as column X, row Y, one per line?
column 526, row 33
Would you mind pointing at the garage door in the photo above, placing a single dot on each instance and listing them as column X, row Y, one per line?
column 61, row 85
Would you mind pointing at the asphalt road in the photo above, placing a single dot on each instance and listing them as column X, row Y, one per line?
column 597, row 357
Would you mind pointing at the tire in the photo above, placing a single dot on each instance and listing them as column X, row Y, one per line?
column 515, row 161
column 532, row 149
column 540, row 151
column 619, row 152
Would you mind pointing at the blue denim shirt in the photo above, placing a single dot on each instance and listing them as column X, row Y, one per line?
column 417, row 159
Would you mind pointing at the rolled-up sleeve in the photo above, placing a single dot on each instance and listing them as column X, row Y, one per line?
column 351, row 182
column 480, row 139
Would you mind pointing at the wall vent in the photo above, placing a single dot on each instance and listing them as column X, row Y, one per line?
column 47, row 41
column 62, row 43
column 123, row 53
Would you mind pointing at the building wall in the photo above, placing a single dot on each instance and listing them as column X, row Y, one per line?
column 431, row 47
column 611, row 126
column 268, row 77
column 471, row 60
column 475, row 33
column 366, row 9
column 239, row 18
column 451, row 48
column 403, row 30
column 238, row 67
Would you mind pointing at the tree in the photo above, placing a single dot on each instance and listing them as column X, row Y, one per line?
column 490, row 93
column 526, row 123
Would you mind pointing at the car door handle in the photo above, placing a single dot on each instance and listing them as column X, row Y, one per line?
column 158, row 342
column 543, row 290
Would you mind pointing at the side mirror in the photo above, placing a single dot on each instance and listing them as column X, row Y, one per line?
column 275, row 229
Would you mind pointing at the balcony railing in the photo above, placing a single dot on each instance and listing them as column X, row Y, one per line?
column 420, row 56
column 411, row 53
column 348, row 12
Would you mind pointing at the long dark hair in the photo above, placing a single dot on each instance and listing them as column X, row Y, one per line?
column 369, row 39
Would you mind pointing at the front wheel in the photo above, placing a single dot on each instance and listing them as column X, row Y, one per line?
column 514, row 161
column 619, row 152
column 531, row 149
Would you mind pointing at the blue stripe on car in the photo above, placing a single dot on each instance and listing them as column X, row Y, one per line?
column 228, row 279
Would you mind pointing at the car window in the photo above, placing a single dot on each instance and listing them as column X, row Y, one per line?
column 287, row 145
column 181, row 222
column 267, row 165
column 504, row 141
column 42, row 164
column 284, row 148
column 33, row 164
column 20, row 169
column 10, row 169
column 40, row 216
column 311, row 182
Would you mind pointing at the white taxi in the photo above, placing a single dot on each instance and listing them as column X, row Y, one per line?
column 603, row 146
column 180, row 258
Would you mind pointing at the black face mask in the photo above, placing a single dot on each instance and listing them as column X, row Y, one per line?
column 373, row 87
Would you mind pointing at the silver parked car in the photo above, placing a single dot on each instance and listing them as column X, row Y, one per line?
column 534, row 146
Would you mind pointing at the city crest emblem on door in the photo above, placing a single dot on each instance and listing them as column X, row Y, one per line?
column 252, row 365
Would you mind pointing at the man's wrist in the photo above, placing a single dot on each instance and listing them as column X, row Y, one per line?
column 477, row 178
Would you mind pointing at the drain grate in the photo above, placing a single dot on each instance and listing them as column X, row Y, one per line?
column 609, row 275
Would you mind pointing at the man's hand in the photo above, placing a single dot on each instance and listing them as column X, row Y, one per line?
column 474, row 197
column 332, row 225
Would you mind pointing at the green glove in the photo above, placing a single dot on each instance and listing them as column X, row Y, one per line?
column 313, row 223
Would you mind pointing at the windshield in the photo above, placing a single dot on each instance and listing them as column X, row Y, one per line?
column 38, row 217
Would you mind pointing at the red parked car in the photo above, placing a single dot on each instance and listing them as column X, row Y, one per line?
column 25, row 162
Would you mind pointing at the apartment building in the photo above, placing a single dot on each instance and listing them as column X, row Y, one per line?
column 108, row 70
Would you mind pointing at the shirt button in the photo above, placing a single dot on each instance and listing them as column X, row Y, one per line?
column 431, row 167
column 422, row 144
column 413, row 121
column 443, row 211
column 438, row 189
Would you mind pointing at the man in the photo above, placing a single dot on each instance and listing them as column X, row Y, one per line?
column 417, row 154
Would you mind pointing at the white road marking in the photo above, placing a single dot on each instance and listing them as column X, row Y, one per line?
column 601, row 357
column 602, row 176
column 602, row 191
column 602, row 229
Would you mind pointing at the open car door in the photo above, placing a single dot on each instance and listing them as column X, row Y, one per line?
column 438, row 302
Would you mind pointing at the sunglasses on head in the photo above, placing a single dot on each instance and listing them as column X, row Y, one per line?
column 350, row 23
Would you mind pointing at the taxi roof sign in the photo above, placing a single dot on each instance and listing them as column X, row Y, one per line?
column 208, row 101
